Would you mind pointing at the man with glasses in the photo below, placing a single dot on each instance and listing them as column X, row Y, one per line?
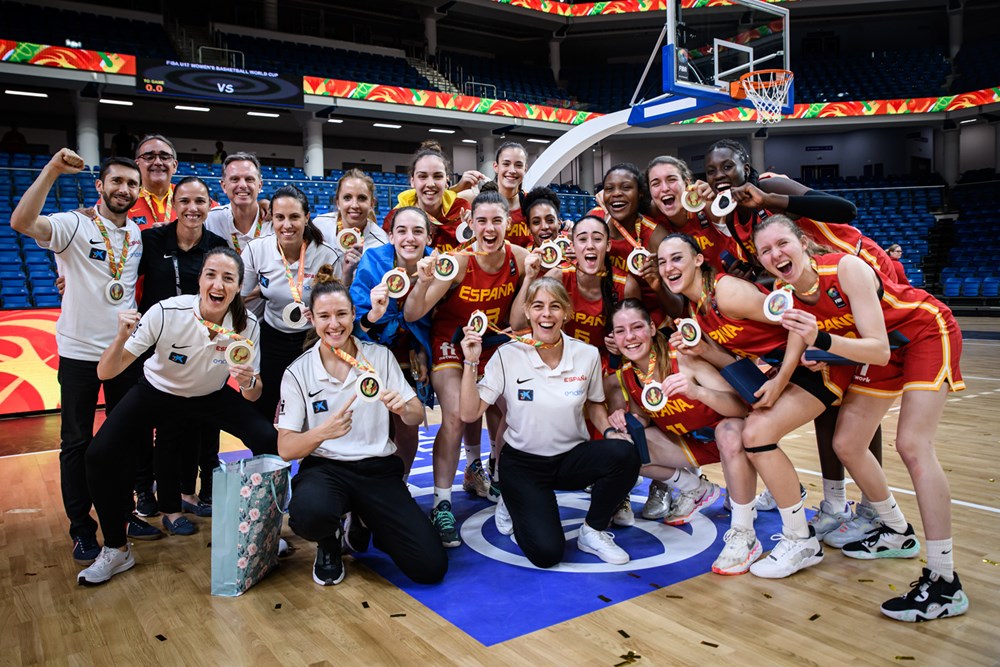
column 157, row 160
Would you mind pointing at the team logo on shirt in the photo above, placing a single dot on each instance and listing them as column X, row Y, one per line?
column 178, row 358
column 99, row 254
column 140, row 220
column 264, row 282
column 320, row 406
column 835, row 296
column 525, row 394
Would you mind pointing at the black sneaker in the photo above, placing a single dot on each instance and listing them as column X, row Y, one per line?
column 328, row 569
column 357, row 537
column 137, row 529
column 145, row 504
column 444, row 523
column 86, row 549
column 929, row 598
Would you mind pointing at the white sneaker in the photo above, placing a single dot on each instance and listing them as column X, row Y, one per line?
column 109, row 563
column 864, row 521
column 741, row 550
column 505, row 525
column 689, row 502
column 766, row 502
column 624, row 516
column 788, row 556
column 659, row 503
column 601, row 544
column 827, row 519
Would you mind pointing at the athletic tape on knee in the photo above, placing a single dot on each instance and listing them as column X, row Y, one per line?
column 762, row 448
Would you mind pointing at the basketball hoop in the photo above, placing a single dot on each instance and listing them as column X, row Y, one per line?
column 767, row 89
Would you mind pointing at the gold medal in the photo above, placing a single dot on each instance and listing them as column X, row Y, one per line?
column 239, row 352
column 636, row 260
column 348, row 238
column 776, row 303
column 550, row 254
column 478, row 322
column 723, row 204
column 690, row 331
column 368, row 387
column 115, row 291
column 692, row 201
column 446, row 267
column 294, row 315
column 653, row 397
column 397, row 283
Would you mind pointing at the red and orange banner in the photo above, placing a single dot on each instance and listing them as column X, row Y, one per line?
column 66, row 58
column 29, row 361
column 614, row 7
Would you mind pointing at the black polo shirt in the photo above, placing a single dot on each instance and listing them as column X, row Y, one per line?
column 157, row 266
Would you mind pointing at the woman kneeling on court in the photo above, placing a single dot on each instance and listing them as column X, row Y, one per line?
column 199, row 342
column 348, row 462
column 550, row 383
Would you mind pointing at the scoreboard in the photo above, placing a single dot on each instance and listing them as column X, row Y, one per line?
column 197, row 81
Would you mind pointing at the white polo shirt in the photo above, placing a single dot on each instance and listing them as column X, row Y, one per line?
column 263, row 266
column 186, row 361
column 375, row 236
column 309, row 395
column 220, row 222
column 88, row 321
column 545, row 406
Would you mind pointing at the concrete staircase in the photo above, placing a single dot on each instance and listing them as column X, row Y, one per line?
column 435, row 77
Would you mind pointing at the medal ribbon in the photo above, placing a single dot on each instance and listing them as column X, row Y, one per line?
column 116, row 266
column 256, row 232
column 647, row 377
column 362, row 366
column 538, row 345
column 294, row 286
column 628, row 237
column 168, row 206
column 781, row 284
column 212, row 326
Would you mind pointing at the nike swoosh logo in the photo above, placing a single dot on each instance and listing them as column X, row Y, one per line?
column 520, row 381
column 313, row 393
column 945, row 553
column 95, row 241
column 179, row 347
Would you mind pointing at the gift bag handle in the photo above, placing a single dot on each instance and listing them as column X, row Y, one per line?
column 288, row 495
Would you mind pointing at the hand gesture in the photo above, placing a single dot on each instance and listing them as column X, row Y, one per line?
column 128, row 321
column 351, row 259
column 242, row 373
column 677, row 342
column 469, row 179
column 680, row 384
column 650, row 273
column 339, row 423
column 532, row 265
column 704, row 190
column 425, row 267
column 393, row 401
column 610, row 345
column 380, row 301
column 748, row 195
column 66, row 162
column 802, row 323
column 472, row 345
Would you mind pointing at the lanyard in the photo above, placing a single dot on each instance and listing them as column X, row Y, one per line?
column 362, row 366
column 524, row 339
column 256, row 231
column 295, row 286
column 628, row 237
column 647, row 377
column 116, row 266
column 212, row 326
column 168, row 206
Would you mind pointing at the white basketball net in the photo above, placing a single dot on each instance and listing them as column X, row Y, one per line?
column 767, row 89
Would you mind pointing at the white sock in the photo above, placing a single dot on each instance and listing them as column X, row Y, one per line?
column 940, row 558
column 741, row 515
column 441, row 494
column 835, row 493
column 793, row 519
column 865, row 500
column 684, row 480
column 890, row 514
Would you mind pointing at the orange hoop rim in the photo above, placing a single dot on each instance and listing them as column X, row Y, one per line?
column 778, row 77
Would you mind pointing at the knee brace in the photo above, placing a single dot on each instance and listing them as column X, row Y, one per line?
column 761, row 449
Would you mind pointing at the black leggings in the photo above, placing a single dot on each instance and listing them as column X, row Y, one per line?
column 374, row 490
column 111, row 455
column 529, row 483
column 277, row 350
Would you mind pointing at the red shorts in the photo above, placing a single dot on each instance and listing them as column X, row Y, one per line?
column 449, row 355
column 923, row 364
column 699, row 452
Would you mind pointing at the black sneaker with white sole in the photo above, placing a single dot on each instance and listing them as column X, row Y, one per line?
column 930, row 598
column 328, row 568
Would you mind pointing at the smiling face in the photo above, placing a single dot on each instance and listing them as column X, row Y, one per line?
column 157, row 163
column 621, row 195
column 289, row 220
column 781, row 252
column 354, row 201
column 510, row 168
column 724, row 169
column 489, row 223
column 633, row 335
column 192, row 203
column 241, row 182
column 119, row 189
column 679, row 267
column 546, row 315
column 543, row 223
column 430, row 180
column 333, row 318
column 590, row 243
column 409, row 235
column 218, row 285
column 666, row 187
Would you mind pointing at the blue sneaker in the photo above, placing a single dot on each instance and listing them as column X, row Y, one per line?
column 137, row 529
column 145, row 504
column 86, row 549
column 179, row 527
column 202, row 509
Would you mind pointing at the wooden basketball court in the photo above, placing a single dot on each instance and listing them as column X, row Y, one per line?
column 161, row 613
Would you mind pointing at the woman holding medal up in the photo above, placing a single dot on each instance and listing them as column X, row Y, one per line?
column 351, row 227
column 379, row 290
column 199, row 342
column 542, row 211
column 283, row 264
column 510, row 165
column 483, row 278
column 336, row 401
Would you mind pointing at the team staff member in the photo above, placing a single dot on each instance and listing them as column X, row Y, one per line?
column 843, row 305
column 184, row 378
column 243, row 218
column 347, row 455
column 283, row 265
column 510, row 165
column 157, row 160
column 488, row 281
column 171, row 263
column 380, row 318
column 355, row 194
column 98, row 250
column 546, row 375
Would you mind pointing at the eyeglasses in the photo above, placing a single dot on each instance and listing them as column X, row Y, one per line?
column 151, row 157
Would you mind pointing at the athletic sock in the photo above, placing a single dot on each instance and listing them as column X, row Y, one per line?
column 441, row 494
column 741, row 515
column 793, row 519
column 684, row 480
column 835, row 493
column 940, row 558
column 890, row 514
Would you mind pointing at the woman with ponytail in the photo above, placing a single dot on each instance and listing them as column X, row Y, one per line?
column 542, row 211
column 510, row 165
column 348, row 465
column 283, row 264
column 199, row 342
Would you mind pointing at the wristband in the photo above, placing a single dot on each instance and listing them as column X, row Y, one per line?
column 471, row 364
column 611, row 429
column 823, row 341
